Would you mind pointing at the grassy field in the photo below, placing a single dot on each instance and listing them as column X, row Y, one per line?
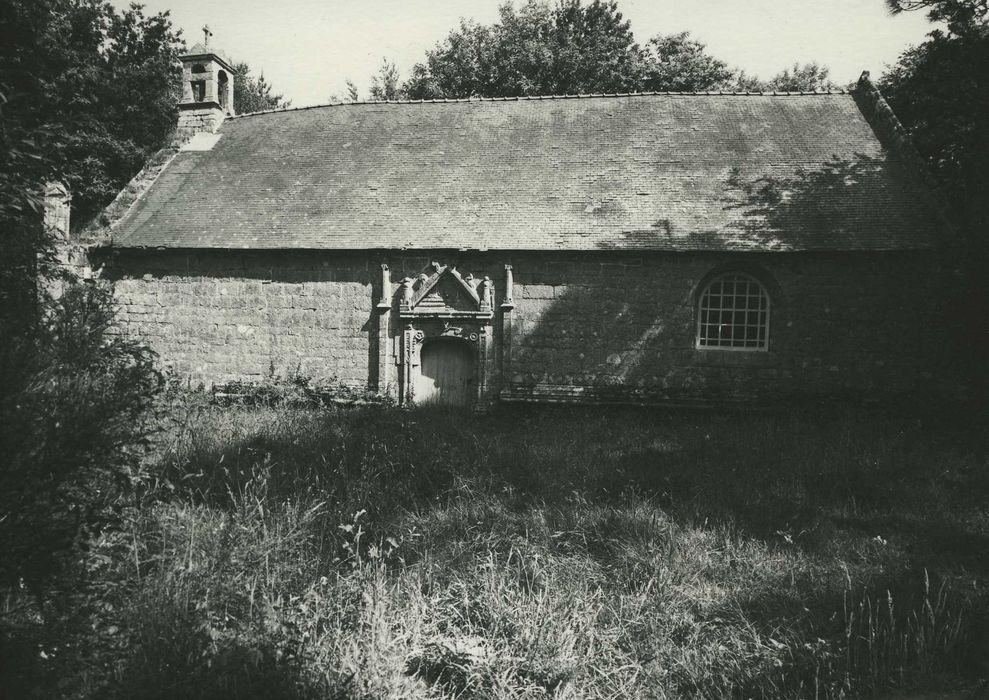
column 610, row 553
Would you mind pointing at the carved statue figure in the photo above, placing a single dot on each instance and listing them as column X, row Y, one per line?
column 406, row 299
column 487, row 292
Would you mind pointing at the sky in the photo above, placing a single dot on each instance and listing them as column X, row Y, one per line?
column 308, row 48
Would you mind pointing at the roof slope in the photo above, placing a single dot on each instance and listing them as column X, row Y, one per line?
column 647, row 172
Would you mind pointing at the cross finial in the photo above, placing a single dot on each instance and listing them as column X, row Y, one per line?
column 207, row 33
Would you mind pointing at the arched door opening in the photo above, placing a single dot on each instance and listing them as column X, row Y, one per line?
column 446, row 373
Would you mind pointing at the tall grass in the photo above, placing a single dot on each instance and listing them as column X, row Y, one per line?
column 374, row 552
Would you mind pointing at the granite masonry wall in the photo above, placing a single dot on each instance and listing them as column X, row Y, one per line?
column 216, row 317
column 605, row 326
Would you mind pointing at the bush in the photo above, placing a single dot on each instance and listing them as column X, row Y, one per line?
column 74, row 398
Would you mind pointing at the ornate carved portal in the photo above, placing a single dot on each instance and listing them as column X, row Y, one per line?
column 441, row 303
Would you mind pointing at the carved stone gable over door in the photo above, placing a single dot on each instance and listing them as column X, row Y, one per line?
column 448, row 294
column 451, row 314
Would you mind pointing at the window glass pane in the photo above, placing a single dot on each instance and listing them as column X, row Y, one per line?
column 733, row 313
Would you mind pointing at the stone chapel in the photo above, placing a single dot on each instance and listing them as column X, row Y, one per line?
column 626, row 248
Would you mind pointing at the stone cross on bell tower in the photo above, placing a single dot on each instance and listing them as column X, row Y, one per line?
column 207, row 89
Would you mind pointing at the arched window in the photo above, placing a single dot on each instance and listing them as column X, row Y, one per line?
column 733, row 314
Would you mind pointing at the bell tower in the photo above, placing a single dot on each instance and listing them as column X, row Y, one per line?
column 207, row 89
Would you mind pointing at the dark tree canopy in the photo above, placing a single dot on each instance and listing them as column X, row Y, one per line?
column 961, row 16
column 253, row 94
column 94, row 88
column 91, row 89
column 539, row 49
column 940, row 91
column 87, row 94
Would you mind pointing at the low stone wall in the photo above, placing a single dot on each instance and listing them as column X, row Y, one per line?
column 606, row 326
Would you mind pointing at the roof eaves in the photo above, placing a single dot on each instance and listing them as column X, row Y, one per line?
column 100, row 230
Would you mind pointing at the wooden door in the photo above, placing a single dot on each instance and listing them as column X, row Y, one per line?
column 446, row 373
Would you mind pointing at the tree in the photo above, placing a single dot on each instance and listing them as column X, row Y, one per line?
column 940, row 91
column 254, row 94
column 384, row 86
column 573, row 47
column 809, row 77
column 461, row 66
column 961, row 16
column 534, row 50
column 87, row 93
column 353, row 94
column 93, row 90
column 678, row 63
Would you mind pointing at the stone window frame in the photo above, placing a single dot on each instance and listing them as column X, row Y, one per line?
column 763, row 310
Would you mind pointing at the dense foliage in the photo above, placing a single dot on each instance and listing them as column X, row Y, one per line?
column 940, row 91
column 74, row 397
column 961, row 16
column 91, row 88
column 86, row 93
column 574, row 47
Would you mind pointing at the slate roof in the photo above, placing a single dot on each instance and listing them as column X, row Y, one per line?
column 643, row 172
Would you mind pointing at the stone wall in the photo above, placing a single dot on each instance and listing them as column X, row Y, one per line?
column 606, row 326
column 216, row 317
column 862, row 324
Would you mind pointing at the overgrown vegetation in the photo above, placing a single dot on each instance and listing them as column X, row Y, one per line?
column 75, row 411
column 937, row 94
column 375, row 552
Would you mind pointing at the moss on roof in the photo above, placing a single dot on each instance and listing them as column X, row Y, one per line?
column 644, row 172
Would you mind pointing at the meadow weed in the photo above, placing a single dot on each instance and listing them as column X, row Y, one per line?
column 368, row 552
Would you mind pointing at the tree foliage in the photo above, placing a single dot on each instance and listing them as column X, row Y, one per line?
column 961, row 16
column 538, row 49
column 87, row 93
column 678, row 63
column 254, row 94
column 386, row 85
column 801, row 78
column 74, row 397
column 575, row 47
column 91, row 90
column 940, row 91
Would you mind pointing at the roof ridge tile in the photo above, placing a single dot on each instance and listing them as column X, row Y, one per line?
column 533, row 98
